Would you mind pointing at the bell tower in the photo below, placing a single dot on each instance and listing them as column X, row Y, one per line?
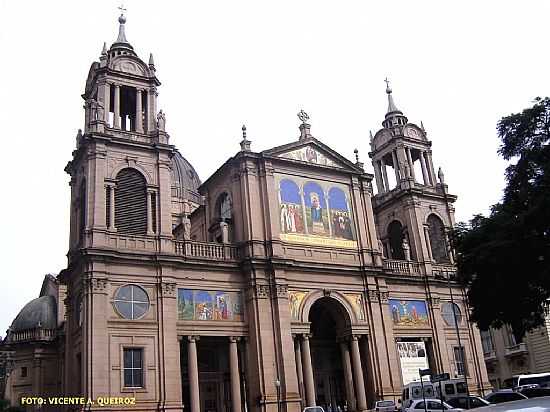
column 121, row 168
column 413, row 208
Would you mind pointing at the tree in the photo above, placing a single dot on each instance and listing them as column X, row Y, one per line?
column 504, row 259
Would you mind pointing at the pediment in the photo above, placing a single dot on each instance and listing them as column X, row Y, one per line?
column 126, row 64
column 312, row 152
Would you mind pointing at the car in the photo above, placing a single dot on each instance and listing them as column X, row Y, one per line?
column 385, row 406
column 462, row 402
column 504, row 395
column 531, row 405
column 535, row 392
column 430, row 405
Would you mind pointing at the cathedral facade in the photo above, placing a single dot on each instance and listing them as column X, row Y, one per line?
column 282, row 281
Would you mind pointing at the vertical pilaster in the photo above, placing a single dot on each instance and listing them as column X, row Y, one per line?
column 112, row 206
column 395, row 167
column 384, row 175
column 358, row 374
column 411, row 163
column 107, row 101
column 431, row 171
column 378, row 176
column 116, row 120
column 149, row 214
column 299, row 367
column 425, row 177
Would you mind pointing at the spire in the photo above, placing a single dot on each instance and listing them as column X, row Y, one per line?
column 104, row 50
column 122, row 20
column 394, row 116
column 151, row 61
column 391, row 104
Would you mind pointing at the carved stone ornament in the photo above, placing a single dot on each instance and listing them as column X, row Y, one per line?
column 434, row 301
column 373, row 296
column 327, row 292
column 384, row 296
column 169, row 289
column 262, row 291
column 97, row 285
column 282, row 291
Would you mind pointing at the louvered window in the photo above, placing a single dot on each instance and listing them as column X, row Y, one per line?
column 131, row 203
column 108, row 206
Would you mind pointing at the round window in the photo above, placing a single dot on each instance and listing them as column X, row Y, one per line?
column 448, row 315
column 131, row 301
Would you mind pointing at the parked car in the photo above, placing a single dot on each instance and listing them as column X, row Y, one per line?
column 431, row 405
column 313, row 409
column 519, row 382
column 535, row 392
column 504, row 395
column 531, row 405
column 462, row 402
column 385, row 406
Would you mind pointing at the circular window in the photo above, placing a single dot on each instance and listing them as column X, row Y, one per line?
column 131, row 301
column 448, row 315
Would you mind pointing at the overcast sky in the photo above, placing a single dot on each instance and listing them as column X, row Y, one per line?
column 457, row 66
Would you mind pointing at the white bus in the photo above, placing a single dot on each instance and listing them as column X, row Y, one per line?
column 518, row 382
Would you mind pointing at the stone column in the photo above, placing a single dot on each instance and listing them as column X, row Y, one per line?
column 348, row 375
column 425, row 176
column 235, row 376
column 308, row 372
column 139, row 112
column 193, row 371
column 411, row 163
column 378, row 176
column 299, row 368
column 385, row 175
column 358, row 375
column 116, row 121
column 395, row 167
column 428, row 242
column 431, row 171
column 107, row 102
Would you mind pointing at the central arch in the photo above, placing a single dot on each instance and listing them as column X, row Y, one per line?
column 329, row 321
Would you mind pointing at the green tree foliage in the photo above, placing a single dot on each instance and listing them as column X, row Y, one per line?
column 504, row 259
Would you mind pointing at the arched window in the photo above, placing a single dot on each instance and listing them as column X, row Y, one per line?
column 131, row 301
column 436, row 231
column 395, row 236
column 449, row 317
column 131, row 203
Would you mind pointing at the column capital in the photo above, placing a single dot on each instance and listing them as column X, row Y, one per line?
column 234, row 339
column 193, row 338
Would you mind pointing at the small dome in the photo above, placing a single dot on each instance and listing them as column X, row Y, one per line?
column 185, row 181
column 39, row 312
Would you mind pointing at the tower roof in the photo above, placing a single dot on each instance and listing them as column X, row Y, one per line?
column 394, row 116
column 121, row 42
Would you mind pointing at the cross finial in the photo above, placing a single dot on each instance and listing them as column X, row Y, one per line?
column 244, row 131
column 388, row 88
column 122, row 9
column 303, row 116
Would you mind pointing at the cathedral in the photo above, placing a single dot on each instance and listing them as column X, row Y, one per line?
column 281, row 281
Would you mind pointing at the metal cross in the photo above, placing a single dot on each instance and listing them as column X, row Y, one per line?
column 122, row 9
column 387, row 82
column 303, row 116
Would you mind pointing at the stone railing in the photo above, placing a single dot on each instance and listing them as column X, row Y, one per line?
column 519, row 349
column 403, row 267
column 444, row 271
column 206, row 250
column 28, row 335
column 490, row 356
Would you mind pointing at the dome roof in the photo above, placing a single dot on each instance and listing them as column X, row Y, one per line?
column 185, row 181
column 39, row 312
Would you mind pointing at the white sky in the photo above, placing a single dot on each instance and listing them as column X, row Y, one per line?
column 458, row 66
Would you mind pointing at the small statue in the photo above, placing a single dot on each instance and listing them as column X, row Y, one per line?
column 441, row 176
column 186, row 222
column 406, row 249
column 161, row 121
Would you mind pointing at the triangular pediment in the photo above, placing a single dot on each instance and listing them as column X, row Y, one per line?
column 312, row 151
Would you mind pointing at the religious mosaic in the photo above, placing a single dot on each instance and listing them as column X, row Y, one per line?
column 358, row 304
column 209, row 305
column 409, row 312
column 315, row 212
column 310, row 155
column 295, row 299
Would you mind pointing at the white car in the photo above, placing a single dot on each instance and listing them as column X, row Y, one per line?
column 385, row 406
column 531, row 405
column 431, row 405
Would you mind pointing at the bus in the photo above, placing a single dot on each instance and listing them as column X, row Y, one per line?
column 518, row 382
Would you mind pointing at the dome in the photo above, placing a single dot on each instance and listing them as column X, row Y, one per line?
column 40, row 312
column 185, row 181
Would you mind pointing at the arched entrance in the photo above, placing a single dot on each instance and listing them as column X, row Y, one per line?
column 328, row 356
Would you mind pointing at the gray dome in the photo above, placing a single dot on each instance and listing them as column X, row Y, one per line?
column 40, row 312
column 185, row 181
